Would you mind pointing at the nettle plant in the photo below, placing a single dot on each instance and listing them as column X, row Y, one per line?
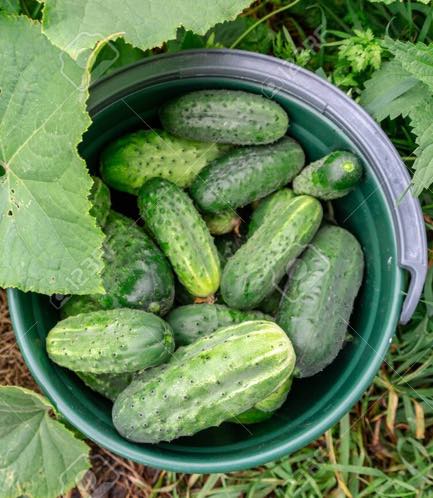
column 49, row 241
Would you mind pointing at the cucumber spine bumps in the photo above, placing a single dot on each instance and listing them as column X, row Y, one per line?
column 225, row 116
column 193, row 321
column 319, row 297
column 130, row 161
column 246, row 174
column 252, row 272
column 110, row 341
column 182, row 235
column 213, row 379
column 331, row 177
column 136, row 273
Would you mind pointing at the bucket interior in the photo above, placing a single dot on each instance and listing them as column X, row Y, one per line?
column 313, row 403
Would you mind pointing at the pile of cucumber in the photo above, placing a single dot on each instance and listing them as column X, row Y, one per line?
column 229, row 287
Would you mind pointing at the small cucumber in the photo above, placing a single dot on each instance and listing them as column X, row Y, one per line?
column 130, row 161
column 273, row 202
column 108, row 385
column 136, row 273
column 319, row 297
column 193, row 321
column 212, row 380
column 182, row 235
column 329, row 178
column 251, row 274
column 263, row 410
column 222, row 223
column 101, row 201
column 110, row 341
column 243, row 175
column 225, row 116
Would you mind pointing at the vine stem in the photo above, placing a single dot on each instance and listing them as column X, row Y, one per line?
column 263, row 19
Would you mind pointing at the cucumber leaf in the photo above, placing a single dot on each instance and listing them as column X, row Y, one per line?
column 48, row 240
column 76, row 25
column 39, row 457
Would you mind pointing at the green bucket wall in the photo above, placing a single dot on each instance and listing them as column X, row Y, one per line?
column 389, row 228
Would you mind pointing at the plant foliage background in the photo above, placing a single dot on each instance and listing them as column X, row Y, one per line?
column 379, row 52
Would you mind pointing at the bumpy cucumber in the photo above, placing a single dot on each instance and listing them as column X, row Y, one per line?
column 264, row 409
column 329, row 178
column 101, row 201
column 110, row 341
column 225, row 116
column 108, row 385
column 136, row 274
column 252, row 272
column 182, row 235
column 319, row 297
column 273, row 202
column 223, row 222
column 130, row 161
column 193, row 321
column 213, row 379
column 243, row 175
column 226, row 246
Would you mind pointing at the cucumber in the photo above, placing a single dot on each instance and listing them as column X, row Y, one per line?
column 263, row 410
column 222, row 223
column 250, row 275
column 108, row 385
column 212, row 380
column 182, row 235
column 226, row 246
column 110, row 341
column 130, row 161
column 319, row 297
column 225, row 116
column 101, row 201
column 273, row 202
column 329, row 178
column 193, row 321
column 271, row 302
column 243, row 175
column 136, row 273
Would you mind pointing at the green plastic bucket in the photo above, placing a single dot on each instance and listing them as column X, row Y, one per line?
column 389, row 227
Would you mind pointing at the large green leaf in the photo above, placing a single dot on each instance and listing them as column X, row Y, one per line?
column 49, row 243
column 76, row 25
column 39, row 457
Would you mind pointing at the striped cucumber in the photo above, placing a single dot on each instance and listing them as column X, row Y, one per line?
column 193, row 321
column 225, row 116
column 319, row 298
column 130, row 161
column 273, row 202
column 252, row 272
column 212, row 380
column 110, row 341
column 136, row 273
column 182, row 235
column 246, row 174
column 329, row 178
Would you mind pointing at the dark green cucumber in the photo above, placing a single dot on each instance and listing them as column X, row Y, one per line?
column 108, row 385
column 182, row 235
column 273, row 202
column 101, row 201
column 225, row 116
column 211, row 380
column 130, row 161
column 227, row 245
column 193, row 321
column 319, row 297
column 271, row 302
column 223, row 222
column 110, row 341
column 136, row 273
column 330, row 177
column 252, row 272
column 263, row 410
column 243, row 175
